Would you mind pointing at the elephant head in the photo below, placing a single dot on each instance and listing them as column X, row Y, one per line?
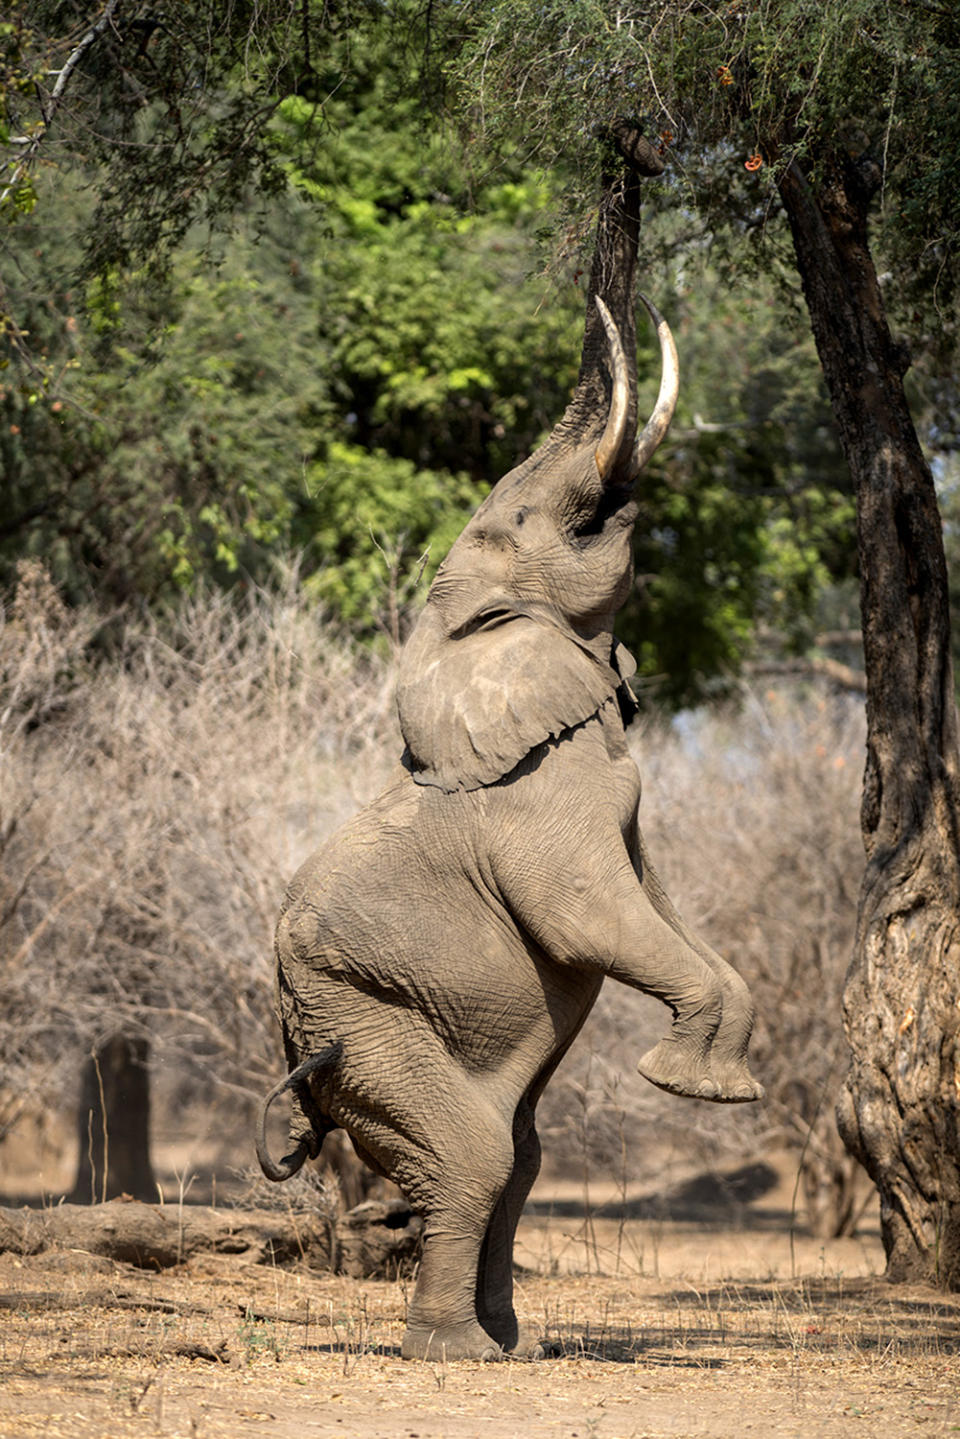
column 515, row 641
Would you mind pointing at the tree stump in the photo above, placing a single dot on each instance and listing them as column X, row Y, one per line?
column 378, row 1239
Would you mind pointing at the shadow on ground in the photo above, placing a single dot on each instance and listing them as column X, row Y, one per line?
column 709, row 1199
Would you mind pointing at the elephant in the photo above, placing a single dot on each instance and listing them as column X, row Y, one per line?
column 437, row 957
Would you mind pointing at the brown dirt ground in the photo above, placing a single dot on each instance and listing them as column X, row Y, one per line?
column 691, row 1329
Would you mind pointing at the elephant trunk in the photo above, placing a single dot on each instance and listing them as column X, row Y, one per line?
column 612, row 281
column 599, row 390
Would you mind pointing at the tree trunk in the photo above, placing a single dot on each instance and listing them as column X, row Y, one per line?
column 113, row 1124
column 900, row 1105
column 831, row 1191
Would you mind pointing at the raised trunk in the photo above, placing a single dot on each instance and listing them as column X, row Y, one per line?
column 899, row 1111
column 113, row 1123
column 613, row 280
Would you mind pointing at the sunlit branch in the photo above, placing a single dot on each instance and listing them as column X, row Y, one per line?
column 33, row 142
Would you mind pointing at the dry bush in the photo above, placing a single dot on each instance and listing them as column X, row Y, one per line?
column 155, row 798
column 42, row 671
column 159, row 787
column 751, row 817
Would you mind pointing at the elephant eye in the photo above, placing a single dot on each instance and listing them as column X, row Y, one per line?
column 520, row 516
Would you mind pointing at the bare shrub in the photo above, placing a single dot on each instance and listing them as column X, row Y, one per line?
column 159, row 787
column 155, row 802
column 751, row 817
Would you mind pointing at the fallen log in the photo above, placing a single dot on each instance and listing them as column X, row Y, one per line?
column 28, row 1300
column 376, row 1238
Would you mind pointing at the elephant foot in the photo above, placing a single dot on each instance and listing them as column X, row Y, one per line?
column 533, row 1344
column 736, row 1084
column 450, row 1341
column 676, row 1066
column 672, row 1066
column 524, row 1341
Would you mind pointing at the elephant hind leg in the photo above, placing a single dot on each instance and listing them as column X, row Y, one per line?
column 465, row 1173
column 495, row 1274
column 445, row 1140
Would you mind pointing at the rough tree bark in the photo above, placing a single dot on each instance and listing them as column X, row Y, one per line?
column 113, row 1123
column 899, row 1111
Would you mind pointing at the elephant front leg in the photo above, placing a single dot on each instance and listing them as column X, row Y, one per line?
column 728, row 1050
column 579, row 897
column 682, row 1062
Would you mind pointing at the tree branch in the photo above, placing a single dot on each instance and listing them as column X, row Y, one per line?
column 34, row 142
column 832, row 670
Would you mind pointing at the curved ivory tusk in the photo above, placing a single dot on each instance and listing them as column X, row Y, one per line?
column 658, row 423
column 612, row 438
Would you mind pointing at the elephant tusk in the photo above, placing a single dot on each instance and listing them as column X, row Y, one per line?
column 612, row 438
column 658, row 423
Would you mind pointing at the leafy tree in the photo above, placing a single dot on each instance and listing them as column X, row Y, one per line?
column 171, row 106
column 213, row 422
column 746, row 510
column 191, row 455
column 175, row 448
column 839, row 120
column 213, row 417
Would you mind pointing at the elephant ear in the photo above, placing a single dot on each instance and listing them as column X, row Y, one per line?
column 474, row 704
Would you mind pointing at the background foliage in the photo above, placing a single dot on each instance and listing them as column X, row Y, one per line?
column 337, row 359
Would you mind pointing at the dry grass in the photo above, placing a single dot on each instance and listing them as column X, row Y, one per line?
column 155, row 800
column 91, row 1349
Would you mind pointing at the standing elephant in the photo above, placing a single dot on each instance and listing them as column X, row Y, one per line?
column 438, row 956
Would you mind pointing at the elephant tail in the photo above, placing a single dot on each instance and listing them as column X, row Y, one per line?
column 313, row 1128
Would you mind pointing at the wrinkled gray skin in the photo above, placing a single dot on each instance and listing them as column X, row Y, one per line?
column 438, row 956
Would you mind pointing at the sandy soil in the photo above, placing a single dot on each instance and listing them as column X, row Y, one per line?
column 691, row 1329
